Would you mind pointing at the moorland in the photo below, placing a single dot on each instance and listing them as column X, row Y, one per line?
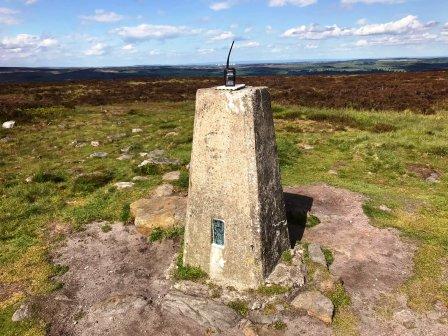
column 382, row 135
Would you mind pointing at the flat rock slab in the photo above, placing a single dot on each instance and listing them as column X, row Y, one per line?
column 205, row 312
column 372, row 262
column 158, row 212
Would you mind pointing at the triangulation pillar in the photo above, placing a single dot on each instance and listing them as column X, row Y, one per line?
column 236, row 227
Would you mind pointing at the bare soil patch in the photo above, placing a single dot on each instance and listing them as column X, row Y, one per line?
column 111, row 286
column 373, row 263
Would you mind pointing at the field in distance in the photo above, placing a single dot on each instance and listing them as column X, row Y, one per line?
column 422, row 92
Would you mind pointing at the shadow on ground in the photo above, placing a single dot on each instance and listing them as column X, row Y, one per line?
column 297, row 207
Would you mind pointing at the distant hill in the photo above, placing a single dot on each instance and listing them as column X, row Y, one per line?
column 26, row 75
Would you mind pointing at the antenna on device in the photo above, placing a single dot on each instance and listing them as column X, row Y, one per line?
column 230, row 51
column 230, row 73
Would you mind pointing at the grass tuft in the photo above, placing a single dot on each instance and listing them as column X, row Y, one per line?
column 240, row 306
column 270, row 290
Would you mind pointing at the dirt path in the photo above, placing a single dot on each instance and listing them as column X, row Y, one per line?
column 372, row 263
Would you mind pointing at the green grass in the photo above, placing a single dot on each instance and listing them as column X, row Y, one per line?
column 328, row 256
column 287, row 257
column 106, row 228
column 186, row 272
column 272, row 290
column 279, row 325
column 366, row 152
column 239, row 306
column 312, row 221
column 159, row 234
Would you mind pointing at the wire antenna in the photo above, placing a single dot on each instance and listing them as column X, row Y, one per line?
column 230, row 51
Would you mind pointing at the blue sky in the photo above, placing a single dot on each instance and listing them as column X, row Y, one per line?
column 132, row 32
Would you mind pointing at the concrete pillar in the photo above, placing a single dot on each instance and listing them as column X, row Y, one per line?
column 236, row 227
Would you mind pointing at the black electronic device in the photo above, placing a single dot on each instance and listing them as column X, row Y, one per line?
column 229, row 73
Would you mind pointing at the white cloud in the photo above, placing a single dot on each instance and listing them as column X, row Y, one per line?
column 370, row 2
column 102, row 16
column 218, row 6
column 153, row 32
column 217, row 35
column 30, row 2
column 25, row 45
column 248, row 44
column 362, row 22
column 269, row 29
column 205, row 51
column 300, row 3
column 407, row 25
column 397, row 40
column 129, row 48
column 311, row 46
column 97, row 49
column 316, row 32
column 248, row 30
column 8, row 16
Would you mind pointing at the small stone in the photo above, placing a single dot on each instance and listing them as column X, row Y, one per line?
column 158, row 157
column 137, row 130
column 5, row 139
column 171, row 134
column 124, row 157
column 115, row 137
column 29, row 179
column 315, row 304
column 144, row 163
column 332, row 172
column 95, row 143
column 316, row 254
column 23, row 313
column 163, row 190
column 306, row 146
column 143, row 154
column 324, row 280
column 8, row 124
column 171, row 176
column 385, row 208
column 139, row 178
column 256, row 305
column 126, row 149
column 124, row 185
column 433, row 178
column 258, row 317
column 287, row 276
column 98, row 155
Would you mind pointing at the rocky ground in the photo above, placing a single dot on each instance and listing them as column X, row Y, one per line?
column 118, row 283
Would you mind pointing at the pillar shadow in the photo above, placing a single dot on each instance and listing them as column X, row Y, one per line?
column 297, row 208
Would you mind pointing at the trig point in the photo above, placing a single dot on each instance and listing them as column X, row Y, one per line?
column 236, row 226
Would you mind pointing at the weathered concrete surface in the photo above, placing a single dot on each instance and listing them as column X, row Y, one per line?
column 234, row 177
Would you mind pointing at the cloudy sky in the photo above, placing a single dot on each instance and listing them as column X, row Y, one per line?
column 132, row 32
